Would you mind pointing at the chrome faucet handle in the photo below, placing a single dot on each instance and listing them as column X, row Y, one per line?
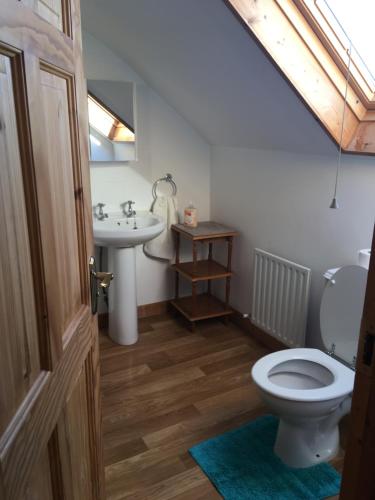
column 128, row 211
column 133, row 212
column 101, row 215
column 124, row 204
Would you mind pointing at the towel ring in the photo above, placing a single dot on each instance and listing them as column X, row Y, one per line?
column 167, row 178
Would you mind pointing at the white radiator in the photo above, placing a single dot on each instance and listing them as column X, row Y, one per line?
column 280, row 297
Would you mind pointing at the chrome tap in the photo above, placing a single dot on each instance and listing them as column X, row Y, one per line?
column 101, row 215
column 127, row 208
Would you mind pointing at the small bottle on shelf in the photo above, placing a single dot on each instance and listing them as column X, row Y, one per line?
column 190, row 216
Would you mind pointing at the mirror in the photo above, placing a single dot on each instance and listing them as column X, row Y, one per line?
column 111, row 121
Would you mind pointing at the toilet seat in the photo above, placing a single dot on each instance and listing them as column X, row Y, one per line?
column 343, row 377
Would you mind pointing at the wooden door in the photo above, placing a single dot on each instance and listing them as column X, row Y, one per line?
column 49, row 397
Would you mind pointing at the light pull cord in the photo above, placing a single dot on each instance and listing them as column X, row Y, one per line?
column 334, row 203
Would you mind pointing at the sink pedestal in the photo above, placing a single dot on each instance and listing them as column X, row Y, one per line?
column 121, row 235
column 123, row 317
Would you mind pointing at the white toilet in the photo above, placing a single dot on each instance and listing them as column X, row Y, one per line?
column 308, row 389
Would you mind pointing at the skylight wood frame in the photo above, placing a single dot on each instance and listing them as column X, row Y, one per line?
column 333, row 42
column 315, row 65
column 118, row 122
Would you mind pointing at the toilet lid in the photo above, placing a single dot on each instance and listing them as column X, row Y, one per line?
column 341, row 311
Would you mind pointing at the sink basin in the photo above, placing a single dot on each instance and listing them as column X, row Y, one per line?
column 121, row 235
column 121, row 232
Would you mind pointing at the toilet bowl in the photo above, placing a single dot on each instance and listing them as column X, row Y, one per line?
column 308, row 389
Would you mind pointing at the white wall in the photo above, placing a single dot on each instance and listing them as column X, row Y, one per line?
column 279, row 202
column 165, row 143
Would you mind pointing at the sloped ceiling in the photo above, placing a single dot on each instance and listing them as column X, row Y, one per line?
column 198, row 57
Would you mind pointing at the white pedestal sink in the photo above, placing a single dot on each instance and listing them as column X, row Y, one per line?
column 121, row 235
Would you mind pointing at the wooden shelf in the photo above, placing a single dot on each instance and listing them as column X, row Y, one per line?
column 206, row 306
column 202, row 270
column 205, row 231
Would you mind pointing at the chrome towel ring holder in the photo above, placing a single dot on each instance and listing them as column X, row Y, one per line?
column 167, row 178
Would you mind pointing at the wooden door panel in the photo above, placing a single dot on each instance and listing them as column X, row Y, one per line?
column 39, row 486
column 35, row 421
column 74, row 442
column 51, row 11
column 19, row 353
column 17, row 19
column 59, row 225
column 55, row 12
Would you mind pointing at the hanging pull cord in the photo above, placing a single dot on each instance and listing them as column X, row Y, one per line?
column 334, row 203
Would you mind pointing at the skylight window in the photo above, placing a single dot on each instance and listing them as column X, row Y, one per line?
column 347, row 26
column 106, row 124
column 99, row 118
column 313, row 43
column 356, row 21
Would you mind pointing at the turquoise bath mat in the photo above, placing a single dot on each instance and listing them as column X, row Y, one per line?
column 242, row 466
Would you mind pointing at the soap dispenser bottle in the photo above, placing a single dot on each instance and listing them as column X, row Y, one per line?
column 190, row 216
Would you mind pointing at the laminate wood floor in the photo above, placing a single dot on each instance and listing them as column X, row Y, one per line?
column 171, row 390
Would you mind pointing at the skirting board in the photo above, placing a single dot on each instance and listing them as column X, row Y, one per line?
column 259, row 335
column 154, row 309
column 103, row 321
column 144, row 311
column 157, row 308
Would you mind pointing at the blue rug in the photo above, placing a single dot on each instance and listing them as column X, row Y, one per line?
column 242, row 466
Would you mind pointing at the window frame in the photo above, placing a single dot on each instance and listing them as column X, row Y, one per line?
column 117, row 120
column 333, row 42
column 312, row 63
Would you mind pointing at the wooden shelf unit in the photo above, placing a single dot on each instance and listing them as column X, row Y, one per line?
column 203, row 270
column 207, row 306
column 202, row 306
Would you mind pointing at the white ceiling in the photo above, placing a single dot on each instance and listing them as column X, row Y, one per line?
column 198, row 57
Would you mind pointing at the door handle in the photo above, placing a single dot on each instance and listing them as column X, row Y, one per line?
column 98, row 279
